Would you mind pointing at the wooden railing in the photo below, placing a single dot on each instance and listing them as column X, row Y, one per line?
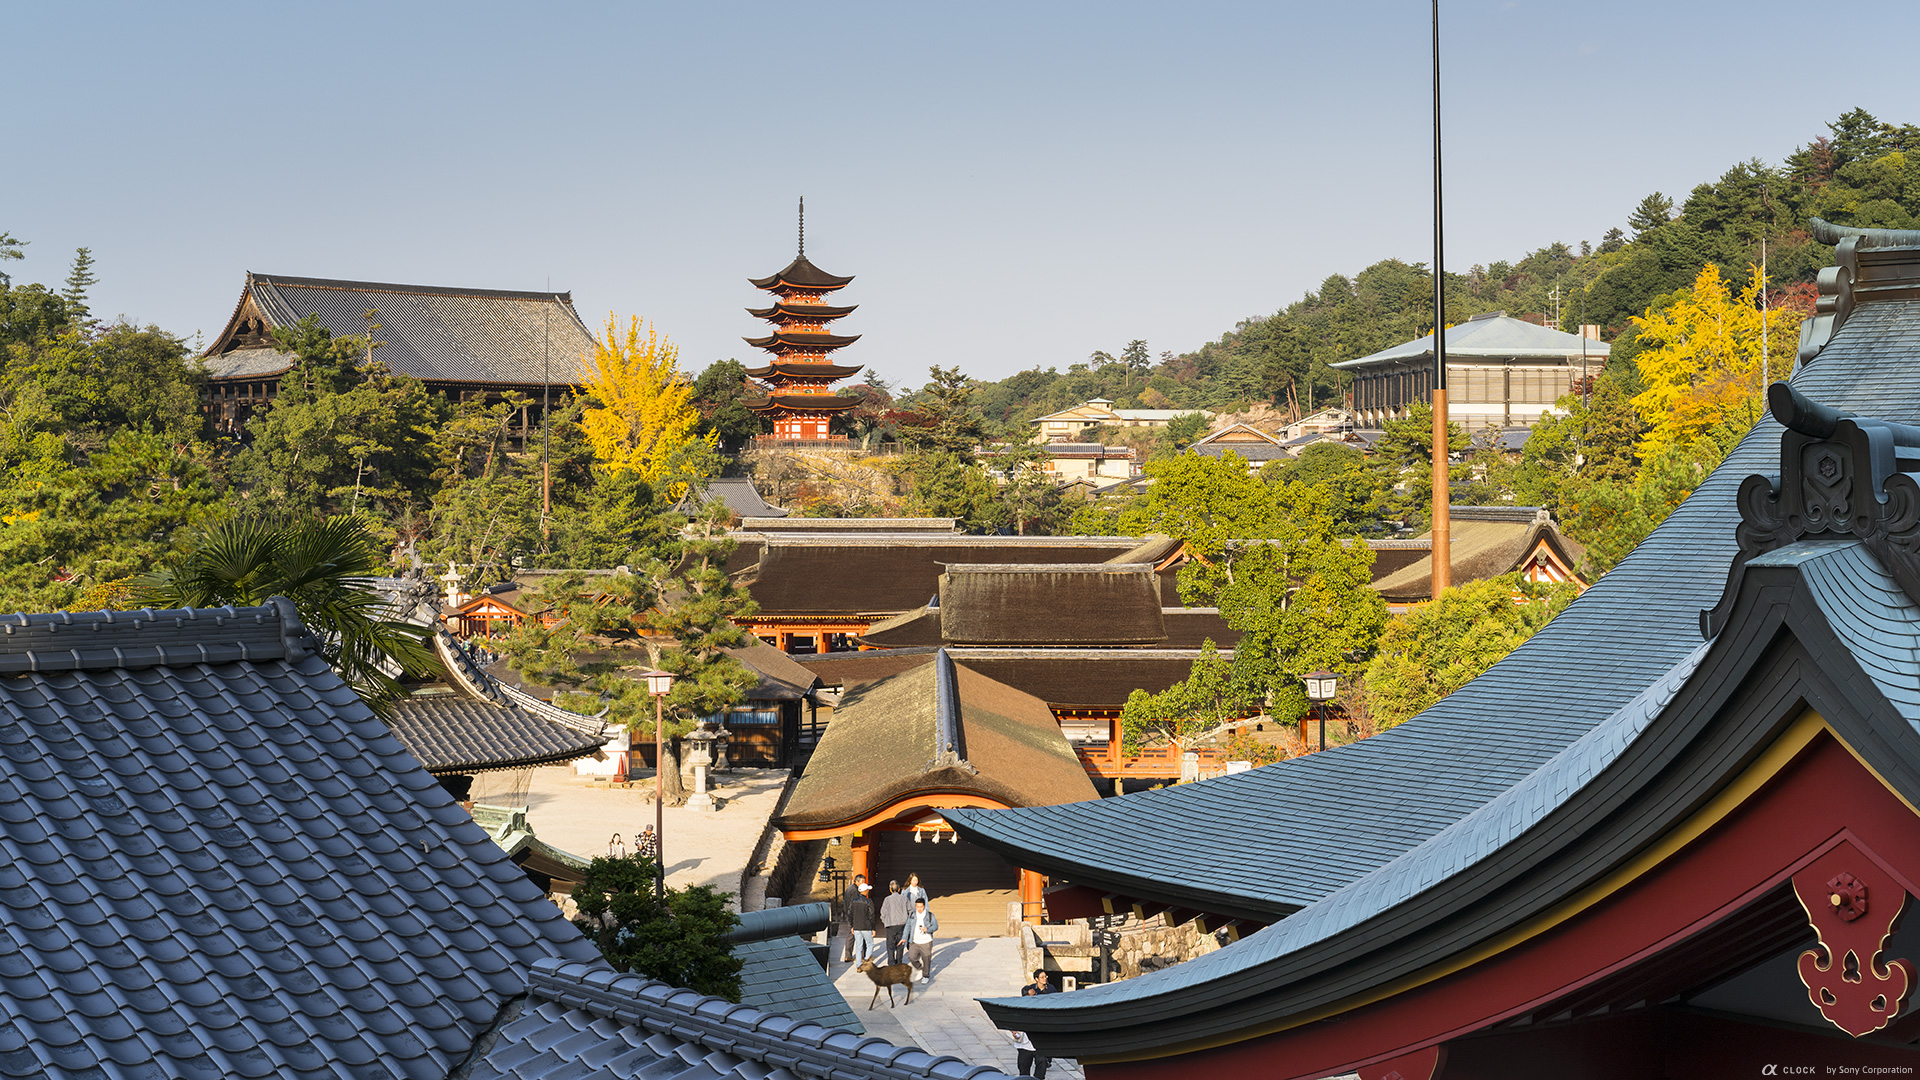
column 1148, row 762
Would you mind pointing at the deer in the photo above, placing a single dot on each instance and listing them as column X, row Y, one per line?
column 889, row 976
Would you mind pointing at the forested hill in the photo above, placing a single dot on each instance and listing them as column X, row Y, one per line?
column 1862, row 172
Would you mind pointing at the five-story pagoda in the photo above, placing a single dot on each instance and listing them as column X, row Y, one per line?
column 799, row 377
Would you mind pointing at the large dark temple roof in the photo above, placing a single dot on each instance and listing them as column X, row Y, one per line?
column 479, row 336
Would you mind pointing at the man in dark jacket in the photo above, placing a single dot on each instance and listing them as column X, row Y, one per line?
column 895, row 913
column 860, row 919
column 1029, row 1061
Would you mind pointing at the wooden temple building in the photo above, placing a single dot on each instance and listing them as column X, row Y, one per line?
column 910, row 746
column 1671, row 835
column 799, row 399
column 460, row 342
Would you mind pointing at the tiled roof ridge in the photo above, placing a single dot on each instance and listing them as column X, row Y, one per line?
column 1050, row 568
column 173, row 637
column 804, row 1048
column 473, row 679
column 949, row 734
column 394, row 287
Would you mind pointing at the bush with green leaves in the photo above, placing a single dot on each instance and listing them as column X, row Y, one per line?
column 679, row 938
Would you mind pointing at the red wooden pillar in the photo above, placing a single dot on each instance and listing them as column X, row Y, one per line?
column 1113, row 740
column 1030, row 885
column 861, row 852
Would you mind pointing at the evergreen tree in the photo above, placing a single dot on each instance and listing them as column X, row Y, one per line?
column 79, row 280
column 1654, row 211
column 10, row 250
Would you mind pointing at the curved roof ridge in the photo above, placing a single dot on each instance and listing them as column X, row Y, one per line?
column 1426, row 865
column 1827, row 232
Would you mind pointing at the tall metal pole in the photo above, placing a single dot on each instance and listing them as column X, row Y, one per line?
column 659, row 798
column 1442, row 528
column 546, row 420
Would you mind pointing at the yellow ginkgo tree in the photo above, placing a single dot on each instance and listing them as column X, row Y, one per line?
column 1703, row 366
column 642, row 415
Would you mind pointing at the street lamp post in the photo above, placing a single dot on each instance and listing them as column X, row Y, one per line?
column 659, row 684
column 1320, row 690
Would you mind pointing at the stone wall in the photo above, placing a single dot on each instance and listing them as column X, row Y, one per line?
column 1152, row 945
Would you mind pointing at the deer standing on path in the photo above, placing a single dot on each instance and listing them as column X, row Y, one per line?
column 889, row 976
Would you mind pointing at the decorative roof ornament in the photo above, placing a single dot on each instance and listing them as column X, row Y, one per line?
column 1842, row 477
column 1868, row 264
column 803, row 226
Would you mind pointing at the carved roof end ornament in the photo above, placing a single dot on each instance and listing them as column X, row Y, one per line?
column 1842, row 477
column 1868, row 264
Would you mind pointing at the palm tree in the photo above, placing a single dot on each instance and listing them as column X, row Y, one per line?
column 326, row 568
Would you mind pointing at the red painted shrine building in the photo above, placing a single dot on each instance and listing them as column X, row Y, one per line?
column 1672, row 835
column 798, row 378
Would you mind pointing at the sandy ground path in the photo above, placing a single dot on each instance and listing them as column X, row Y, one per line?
column 944, row 1018
column 580, row 816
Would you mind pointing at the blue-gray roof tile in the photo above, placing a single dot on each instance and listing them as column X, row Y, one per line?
column 1223, row 839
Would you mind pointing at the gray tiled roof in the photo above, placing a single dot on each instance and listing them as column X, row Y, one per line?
column 783, row 975
column 453, row 734
column 434, row 333
column 1490, row 337
column 1863, row 609
column 215, row 860
column 1408, row 783
column 584, row 1021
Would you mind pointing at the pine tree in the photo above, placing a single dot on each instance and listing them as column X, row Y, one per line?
column 1654, row 211
column 79, row 280
column 10, row 249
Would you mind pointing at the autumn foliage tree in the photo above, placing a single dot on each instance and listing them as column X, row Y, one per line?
column 1703, row 366
column 645, row 414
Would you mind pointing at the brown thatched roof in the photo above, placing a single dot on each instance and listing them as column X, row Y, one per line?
column 1063, row 678
column 886, row 574
column 1072, row 604
column 935, row 729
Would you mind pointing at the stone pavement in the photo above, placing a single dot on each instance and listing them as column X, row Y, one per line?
column 579, row 816
column 944, row 1018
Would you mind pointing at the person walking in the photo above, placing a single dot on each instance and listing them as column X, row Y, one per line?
column 895, row 912
column 1029, row 1061
column 920, row 939
column 846, row 915
column 860, row 919
column 914, row 891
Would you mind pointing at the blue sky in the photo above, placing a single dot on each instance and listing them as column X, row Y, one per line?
column 1013, row 184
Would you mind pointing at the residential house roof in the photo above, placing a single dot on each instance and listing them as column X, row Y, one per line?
column 1493, row 336
column 1236, row 433
column 478, row 336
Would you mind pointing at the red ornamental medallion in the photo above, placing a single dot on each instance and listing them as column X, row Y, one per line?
column 1853, row 906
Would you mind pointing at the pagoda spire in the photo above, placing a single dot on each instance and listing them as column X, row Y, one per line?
column 797, row 381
